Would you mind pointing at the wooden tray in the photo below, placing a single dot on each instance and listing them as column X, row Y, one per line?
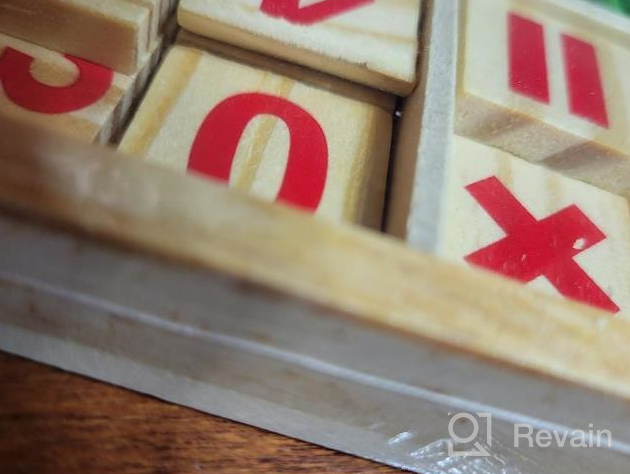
column 185, row 290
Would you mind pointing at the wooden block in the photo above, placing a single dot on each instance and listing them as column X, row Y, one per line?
column 548, row 84
column 156, row 11
column 64, row 93
column 321, row 147
column 433, row 211
column 534, row 225
column 124, row 113
column 161, row 12
column 367, row 41
column 112, row 33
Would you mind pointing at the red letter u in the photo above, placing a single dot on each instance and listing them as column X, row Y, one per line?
column 215, row 145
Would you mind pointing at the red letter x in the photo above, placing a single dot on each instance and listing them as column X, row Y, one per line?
column 320, row 11
column 533, row 247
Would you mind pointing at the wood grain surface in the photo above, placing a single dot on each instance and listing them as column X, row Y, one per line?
column 342, row 178
column 79, row 27
column 53, row 421
column 82, row 187
column 575, row 123
column 371, row 43
column 469, row 225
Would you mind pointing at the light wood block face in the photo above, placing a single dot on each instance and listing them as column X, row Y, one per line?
column 548, row 86
column 72, row 96
column 534, row 225
column 271, row 135
column 114, row 33
column 373, row 42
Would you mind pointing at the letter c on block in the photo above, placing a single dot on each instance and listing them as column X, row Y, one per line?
column 24, row 90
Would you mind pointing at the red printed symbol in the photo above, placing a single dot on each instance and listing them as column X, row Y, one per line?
column 528, row 59
column 534, row 248
column 529, row 72
column 19, row 85
column 290, row 9
column 218, row 137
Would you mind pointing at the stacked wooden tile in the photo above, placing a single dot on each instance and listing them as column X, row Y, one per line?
column 57, row 68
column 552, row 90
column 282, row 133
column 367, row 41
column 118, row 34
column 534, row 181
column 273, row 128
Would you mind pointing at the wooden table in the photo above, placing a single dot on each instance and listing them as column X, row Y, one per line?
column 55, row 422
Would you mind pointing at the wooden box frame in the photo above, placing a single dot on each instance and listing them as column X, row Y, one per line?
column 188, row 291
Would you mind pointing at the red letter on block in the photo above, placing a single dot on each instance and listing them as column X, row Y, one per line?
column 528, row 58
column 291, row 11
column 586, row 92
column 216, row 142
column 20, row 86
column 544, row 247
column 528, row 74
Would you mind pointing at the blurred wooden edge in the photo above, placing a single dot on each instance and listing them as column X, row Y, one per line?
column 179, row 287
column 358, row 274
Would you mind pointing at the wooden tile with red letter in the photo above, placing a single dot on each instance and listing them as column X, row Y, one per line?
column 65, row 93
column 548, row 84
column 373, row 42
column 534, row 225
column 118, row 34
column 319, row 146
